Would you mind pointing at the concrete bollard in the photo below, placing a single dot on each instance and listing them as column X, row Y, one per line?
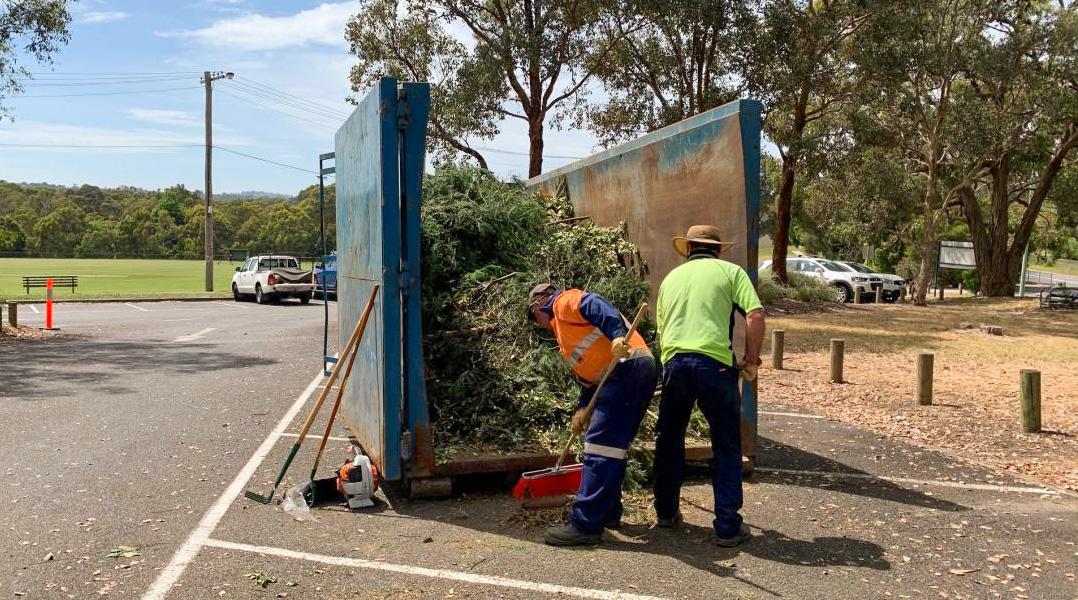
column 838, row 348
column 925, row 368
column 1031, row 400
column 879, row 295
column 777, row 343
column 13, row 314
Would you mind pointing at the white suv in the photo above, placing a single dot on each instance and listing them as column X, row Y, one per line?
column 894, row 287
column 844, row 279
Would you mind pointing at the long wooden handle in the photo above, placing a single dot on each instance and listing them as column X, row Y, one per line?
column 361, row 327
column 349, row 348
column 606, row 374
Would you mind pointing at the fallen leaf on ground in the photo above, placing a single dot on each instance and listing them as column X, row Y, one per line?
column 962, row 571
column 123, row 551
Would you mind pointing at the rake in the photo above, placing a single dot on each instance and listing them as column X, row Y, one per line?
column 349, row 351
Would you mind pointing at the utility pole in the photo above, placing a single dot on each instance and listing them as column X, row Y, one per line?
column 208, row 77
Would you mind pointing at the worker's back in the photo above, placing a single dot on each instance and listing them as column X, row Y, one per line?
column 696, row 304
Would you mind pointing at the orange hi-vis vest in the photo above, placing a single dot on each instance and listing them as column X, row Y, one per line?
column 582, row 344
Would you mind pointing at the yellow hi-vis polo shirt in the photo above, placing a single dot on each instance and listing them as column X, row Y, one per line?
column 696, row 308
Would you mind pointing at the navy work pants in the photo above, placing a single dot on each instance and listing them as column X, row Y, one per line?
column 696, row 378
column 618, row 413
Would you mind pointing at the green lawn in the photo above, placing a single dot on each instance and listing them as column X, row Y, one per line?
column 1061, row 267
column 105, row 278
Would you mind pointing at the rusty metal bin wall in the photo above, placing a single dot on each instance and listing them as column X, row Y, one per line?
column 703, row 170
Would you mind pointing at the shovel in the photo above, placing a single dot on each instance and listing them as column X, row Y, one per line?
column 548, row 487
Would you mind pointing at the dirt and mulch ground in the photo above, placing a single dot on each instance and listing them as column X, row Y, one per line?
column 22, row 333
column 976, row 394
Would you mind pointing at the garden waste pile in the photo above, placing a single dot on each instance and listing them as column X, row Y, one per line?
column 495, row 381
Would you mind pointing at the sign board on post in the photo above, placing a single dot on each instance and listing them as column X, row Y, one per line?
column 956, row 255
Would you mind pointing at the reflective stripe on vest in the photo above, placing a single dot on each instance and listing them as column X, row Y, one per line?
column 582, row 345
column 578, row 353
column 607, row 451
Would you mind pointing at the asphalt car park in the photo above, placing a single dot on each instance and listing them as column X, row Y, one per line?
column 140, row 426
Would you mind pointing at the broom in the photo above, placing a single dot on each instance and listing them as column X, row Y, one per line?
column 556, row 482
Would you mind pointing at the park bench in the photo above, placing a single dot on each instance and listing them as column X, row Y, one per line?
column 68, row 281
column 1059, row 296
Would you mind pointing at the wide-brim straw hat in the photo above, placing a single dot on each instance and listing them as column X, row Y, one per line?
column 706, row 235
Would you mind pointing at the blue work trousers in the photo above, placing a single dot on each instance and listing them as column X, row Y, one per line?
column 695, row 378
column 618, row 411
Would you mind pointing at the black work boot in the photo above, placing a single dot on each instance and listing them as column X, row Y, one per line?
column 612, row 523
column 737, row 539
column 567, row 535
column 674, row 521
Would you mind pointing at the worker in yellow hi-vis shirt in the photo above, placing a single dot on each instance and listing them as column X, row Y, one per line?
column 695, row 316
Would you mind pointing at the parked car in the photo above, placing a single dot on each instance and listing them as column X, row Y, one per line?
column 271, row 278
column 894, row 287
column 844, row 279
column 326, row 270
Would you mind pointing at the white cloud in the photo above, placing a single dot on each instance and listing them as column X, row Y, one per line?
column 178, row 118
column 322, row 25
column 98, row 17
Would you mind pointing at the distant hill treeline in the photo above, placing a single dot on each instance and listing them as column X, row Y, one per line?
column 93, row 222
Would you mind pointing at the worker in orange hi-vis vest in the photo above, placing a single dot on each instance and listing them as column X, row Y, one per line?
column 591, row 335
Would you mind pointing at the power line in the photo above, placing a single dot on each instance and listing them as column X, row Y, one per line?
column 497, row 151
column 276, row 110
column 49, row 83
column 111, row 73
column 16, row 145
column 284, row 93
column 312, row 109
column 266, row 160
column 16, row 97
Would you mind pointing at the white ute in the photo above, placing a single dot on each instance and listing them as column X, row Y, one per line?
column 270, row 278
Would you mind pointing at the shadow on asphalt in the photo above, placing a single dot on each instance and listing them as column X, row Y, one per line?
column 43, row 369
column 694, row 544
column 782, row 456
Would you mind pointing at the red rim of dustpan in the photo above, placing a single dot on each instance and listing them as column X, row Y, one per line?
column 547, row 482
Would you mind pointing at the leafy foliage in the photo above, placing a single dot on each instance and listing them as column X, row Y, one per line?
column 92, row 222
column 29, row 28
column 493, row 378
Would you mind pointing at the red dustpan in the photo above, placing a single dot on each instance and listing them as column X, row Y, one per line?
column 548, row 487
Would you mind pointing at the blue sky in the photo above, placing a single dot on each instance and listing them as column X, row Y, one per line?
column 296, row 47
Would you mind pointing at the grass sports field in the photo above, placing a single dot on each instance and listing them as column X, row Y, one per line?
column 115, row 278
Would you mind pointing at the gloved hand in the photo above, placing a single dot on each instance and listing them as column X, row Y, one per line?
column 619, row 348
column 749, row 368
column 580, row 420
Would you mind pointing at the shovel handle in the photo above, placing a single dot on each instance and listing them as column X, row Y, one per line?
column 606, row 374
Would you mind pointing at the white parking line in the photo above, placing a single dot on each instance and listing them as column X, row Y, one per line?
column 475, row 578
column 231, row 304
column 34, row 308
column 194, row 336
column 789, row 414
column 172, row 572
column 988, row 487
column 135, row 307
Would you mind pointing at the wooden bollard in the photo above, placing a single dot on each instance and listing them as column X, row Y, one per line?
column 13, row 314
column 838, row 348
column 879, row 295
column 925, row 368
column 856, row 295
column 1031, row 400
column 777, row 343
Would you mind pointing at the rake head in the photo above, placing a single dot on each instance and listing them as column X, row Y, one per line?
column 259, row 498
